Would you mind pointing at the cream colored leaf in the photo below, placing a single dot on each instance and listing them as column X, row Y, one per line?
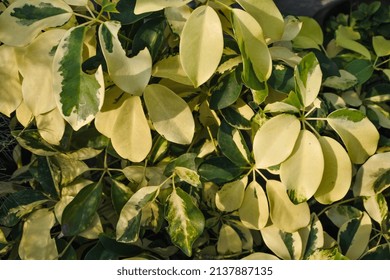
column 231, row 195
column 292, row 27
column 376, row 206
column 145, row 6
column 261, row 256
column 177, row 17
column 229, row 242
column 24, row 115
column 51, row 126
column 286, row 55
column 171, row 68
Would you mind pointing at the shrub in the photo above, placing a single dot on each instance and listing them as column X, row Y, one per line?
column 191, row 129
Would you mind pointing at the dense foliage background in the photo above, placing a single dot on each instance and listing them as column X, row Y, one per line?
column 194, row 129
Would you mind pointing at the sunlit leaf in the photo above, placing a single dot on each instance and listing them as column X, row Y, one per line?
column 219, row 170
column 188, row 175
column 344, row 82
column 229, row 241
column 231, row 195
column 357, row 132
column 275, row 140
column 340, row 214
column 28, row 18
column 143, row 6
column 51, row 126
column 170, row 114
column 310, row 35
column 172, row 69
column 347, row 38
column 36, row 242
column 201, row 44
column 32, row 141
column 327, row 254
column 186, row 221
column 376, row 206
column 261, row 256
column 312, row 237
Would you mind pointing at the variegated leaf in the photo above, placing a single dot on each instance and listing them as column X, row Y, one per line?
column 376, row 206
column 186, row 221
column 128, row 226
column 79, row 96
column 129, row 74
column 28, row 18
column 231, row 195
column 340, row 214
column 229, row 242
column 144, row 6
column 312, row 237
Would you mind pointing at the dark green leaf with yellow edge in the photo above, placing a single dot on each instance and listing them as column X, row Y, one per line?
column 42, row 171
column 226, row 92
column 362, row 69
column 78, row 214
column 381, row 252
column 219, row 170
column 32, row 141
column 186, row 221
column 126, row 13
column 312, row 237
column 120, row 194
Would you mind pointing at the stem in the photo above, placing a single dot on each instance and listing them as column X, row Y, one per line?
column 316, row 119
column 212, row 140
column 383, row 62
column 261, row 174
column 67, row 247
column 310, row 111
column 313, row 129
column 337, row 204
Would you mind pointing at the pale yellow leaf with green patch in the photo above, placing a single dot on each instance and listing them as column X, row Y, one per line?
column 372, row 176
column 275, row 140
column 254, row 212
column 268, row 16
column 27, row 18
column 343, row 82
column 382, row 114
column 130, row 74
column 79, row 96
column 201, row 45
column 10, row 86
column 376, row 206
column 358, row 133
column 177, row 17
column 312, row 237
column 286, row 55
column 292, row 27
column 337, row 176
column 170, row 114
column 287, row 246
column 145, row 6
column 188, row 175
column 36, row 242
column 171, row 68
column 347, row 38
column 231, row 195
column 310, row 35
column 229, row 242
column 36, row 63
column 302, row 171
column 261, row 256
column 254, row 50
column 51, row 126
column 286, row 215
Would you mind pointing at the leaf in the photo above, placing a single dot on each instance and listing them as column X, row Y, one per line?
column 143, row 6
column 275, row 140
column 327, row 254
column 67, row 168
column 188, row 175
column 36, row 242
column 77, row 216
column 287, row 246
column 267, row 15
column 337, row 176
column 362, row 69
column 226, row 92
column 310, row 35
column 286, row 55
column 219, row 170
column 10, row 86
column 37, row 62
column 344, row 82
column 128, row 226
column 354, row 235
column 126, row 13
column 120, row 194
column 312, row 237
column 201, row 45
column 28, row 17
column 376, row 206
column 341, row 214
column 129, row 74
column 261, row 256
column 292, row 27
column 382, row 114
column 286, row 215
column 233, row 145
column 172, row 69
column 186, row 221
column 381, row 252
column 254, row 210
column 302, row 172
column 170, row 114
column 32, row 141
column 76, row 2
column 229, row 241
column 231, row 195
column 381, row 46
column 346, row 37
column 177, row 17
column 78, row 95
column 152, row 217
column 51, row 126
column 372, row 176
column 359, row 135
column 308, row 78
column 254, row 51
column 43, row 173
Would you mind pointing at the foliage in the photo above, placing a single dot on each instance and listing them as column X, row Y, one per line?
column 193, row 129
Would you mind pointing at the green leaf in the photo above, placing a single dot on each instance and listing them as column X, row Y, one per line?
column 287, row 246
column 201, row 45
column 254, row 51
column 32, row 141
column 310, row 35
column 362, row 69
column 381, row 252
column 267, row 15
column 312, row 237
column 126, row 13
column 337, row 176
column 254, row 212
column 28, row 18
column 10, row 86
column 229, row 242
column 237, row 115
column 170, row 114
column 128, row 226
column 78, row 95
column 120, row 194
column 42, row 171
column 36, row 242
column 327, row 254
column 302, row 171
column 219, row 170
column 233, row 145
column 373, row 176
column 231, row 195
column 275, row 140
column 188, row 175
column 226, row 92
column 345, row 81
column 341, row 214
column 308, row 78
column 77, row 216
column 346, row 38
column 186, row 221
column 359, row 135
column 381, row 46
column 376, row 206
column 286, row 215
column 354, row 235
column 143, row 6
column 129, row 74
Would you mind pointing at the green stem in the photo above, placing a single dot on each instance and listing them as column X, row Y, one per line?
column 313, row 129
column 337, row 204
column 67, row 247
